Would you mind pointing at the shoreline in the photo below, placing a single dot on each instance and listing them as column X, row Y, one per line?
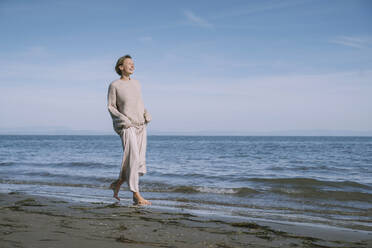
column 39, row 221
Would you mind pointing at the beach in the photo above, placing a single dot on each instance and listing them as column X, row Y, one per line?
column 37, row 221
column 244, row 123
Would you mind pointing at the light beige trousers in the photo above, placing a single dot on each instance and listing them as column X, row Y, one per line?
column 133, row 165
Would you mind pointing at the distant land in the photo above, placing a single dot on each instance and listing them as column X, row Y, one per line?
column 314, row 132
column 69, row 131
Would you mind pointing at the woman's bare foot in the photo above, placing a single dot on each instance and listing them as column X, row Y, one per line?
column 116, row 196
column 139, row 200
column 115, row 186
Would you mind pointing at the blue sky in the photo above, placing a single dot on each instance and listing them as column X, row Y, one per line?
column 240, row 66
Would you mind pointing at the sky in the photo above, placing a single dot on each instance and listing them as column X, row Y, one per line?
column 204, row 66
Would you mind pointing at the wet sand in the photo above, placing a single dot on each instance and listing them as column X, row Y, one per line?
column 35, row 221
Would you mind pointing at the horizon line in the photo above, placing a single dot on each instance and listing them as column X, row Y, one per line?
column 303, row 132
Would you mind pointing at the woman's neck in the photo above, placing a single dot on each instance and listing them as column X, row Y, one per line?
column 125, row 77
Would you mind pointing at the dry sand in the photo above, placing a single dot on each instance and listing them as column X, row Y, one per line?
column 35, row 221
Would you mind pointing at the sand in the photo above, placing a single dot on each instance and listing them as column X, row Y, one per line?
column 35, row 221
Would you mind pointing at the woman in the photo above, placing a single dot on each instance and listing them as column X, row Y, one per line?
column 130, row 119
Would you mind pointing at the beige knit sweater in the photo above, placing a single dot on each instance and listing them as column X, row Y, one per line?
column 125, row 104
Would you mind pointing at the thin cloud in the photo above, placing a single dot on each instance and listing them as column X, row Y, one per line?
column 350, row 41
column 191, row 17
column 37, row 51
column 63, row 72
column 145, row 39
column 194, row 19
column 248, row 10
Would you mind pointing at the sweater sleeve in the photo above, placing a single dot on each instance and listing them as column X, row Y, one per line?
column 147, row 116
column 119, row 120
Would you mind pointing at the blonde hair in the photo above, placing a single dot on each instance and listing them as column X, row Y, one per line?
column 120, row 62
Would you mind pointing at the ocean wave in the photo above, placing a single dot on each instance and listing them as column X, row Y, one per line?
column 186, row 189
column 62, row 177
column 6, row 163
column 149, row 186
column 183, row 189
column 58, row 184
column 199, row 189
column 310, row 182
column 289, row 190
column 61, row 164
column 309, row 193
column 324, row 194
column 188, row 175
column 81, row 164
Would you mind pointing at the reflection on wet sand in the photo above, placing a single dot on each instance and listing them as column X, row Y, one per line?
column 38, row 221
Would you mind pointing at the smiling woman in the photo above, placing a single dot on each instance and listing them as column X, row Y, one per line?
column 129, row 118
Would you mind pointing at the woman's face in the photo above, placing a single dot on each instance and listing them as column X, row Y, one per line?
column 127, row 68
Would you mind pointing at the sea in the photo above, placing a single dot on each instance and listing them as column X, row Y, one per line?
column 325, row 181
